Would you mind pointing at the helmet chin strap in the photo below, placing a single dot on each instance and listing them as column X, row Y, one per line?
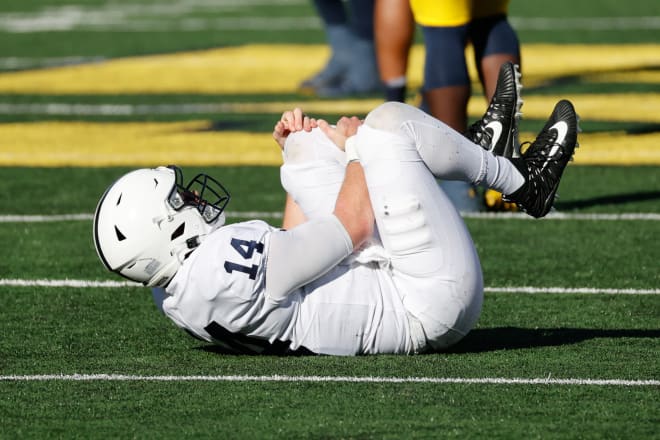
column 182, row 249
column 179, row 250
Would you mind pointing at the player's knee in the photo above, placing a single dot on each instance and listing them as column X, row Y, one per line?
column 388, row 116
column 309, row 146
column 297, row 148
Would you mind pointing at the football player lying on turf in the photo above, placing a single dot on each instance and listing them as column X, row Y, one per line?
column 382, row 262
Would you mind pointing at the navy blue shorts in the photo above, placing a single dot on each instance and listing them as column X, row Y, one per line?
column 445, row 63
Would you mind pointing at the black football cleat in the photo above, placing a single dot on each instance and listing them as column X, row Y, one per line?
column 543, row 163
column 497, row 130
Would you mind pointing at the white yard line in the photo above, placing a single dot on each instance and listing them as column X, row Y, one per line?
column 276, row 215
column 91, row 21
column 17, row 218
column 11, row 218
column 586, row 23
column 90, row 284
column 14, row 282
column 572, row 290
column 323, row 379
column 8, row 63
column 628, row 216
column 67, row 109
column 566, row 216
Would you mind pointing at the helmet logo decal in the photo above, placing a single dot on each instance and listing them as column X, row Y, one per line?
column 152, row 267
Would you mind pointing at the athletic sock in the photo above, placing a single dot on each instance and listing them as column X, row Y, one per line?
column 500, row 174
column 395, row 89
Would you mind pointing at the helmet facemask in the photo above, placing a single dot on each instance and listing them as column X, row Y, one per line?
column 203, row 192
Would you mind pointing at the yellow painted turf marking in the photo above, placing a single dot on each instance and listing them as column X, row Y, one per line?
column 255, row 69
column 614, row 107
column 140, row 144
column 194, row 143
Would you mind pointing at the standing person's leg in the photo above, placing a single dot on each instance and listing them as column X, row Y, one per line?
column 394, row 29
column 494, row 39
column 361, row 75
column 495, row 43
column 446, row 93
column 339, row 36
column 447, row 88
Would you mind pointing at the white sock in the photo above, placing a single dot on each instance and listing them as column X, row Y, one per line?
column 499, row 174
column 399, row 81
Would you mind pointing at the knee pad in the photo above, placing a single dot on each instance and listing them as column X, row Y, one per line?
column 408, row 234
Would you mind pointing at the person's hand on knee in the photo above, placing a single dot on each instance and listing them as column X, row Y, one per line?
column 345, row 128
column 291, row 122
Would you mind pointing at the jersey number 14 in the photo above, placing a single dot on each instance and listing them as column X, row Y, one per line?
column 245, row 249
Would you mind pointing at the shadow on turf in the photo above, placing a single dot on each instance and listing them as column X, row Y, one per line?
column 274, row 351
column 490, row 339
column 618, row 199
column 511, row 338
column 643, row 129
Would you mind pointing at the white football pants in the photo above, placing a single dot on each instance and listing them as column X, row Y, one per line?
column 431, row 256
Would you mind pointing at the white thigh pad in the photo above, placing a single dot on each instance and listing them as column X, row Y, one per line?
column 404, row 223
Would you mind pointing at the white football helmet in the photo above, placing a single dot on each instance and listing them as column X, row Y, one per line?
column 148, row 222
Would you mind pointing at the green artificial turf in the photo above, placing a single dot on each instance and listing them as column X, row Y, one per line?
column 118, row 331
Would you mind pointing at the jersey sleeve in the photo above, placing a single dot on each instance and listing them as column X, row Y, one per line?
column 303, row 254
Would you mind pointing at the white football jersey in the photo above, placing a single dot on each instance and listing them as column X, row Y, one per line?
column 220, row 295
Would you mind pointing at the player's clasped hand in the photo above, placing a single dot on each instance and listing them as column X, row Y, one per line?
column 345, row 128
column 291, row 122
